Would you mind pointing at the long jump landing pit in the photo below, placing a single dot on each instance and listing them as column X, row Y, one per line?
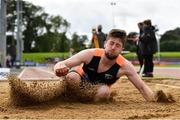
column 128, row 103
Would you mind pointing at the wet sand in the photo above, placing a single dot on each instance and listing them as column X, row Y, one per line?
column 127, row 103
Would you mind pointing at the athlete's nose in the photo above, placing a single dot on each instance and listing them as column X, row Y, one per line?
column 113, row 47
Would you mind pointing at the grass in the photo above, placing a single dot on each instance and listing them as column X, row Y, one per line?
column 42, row 57
column 170, row 54
column 162, row 54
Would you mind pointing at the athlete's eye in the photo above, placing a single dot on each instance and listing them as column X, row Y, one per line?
column 111, row 43
column 118, row 45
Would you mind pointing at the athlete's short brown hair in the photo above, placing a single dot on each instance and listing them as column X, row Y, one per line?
column 118, row 33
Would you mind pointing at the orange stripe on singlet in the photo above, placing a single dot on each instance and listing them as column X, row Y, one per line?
column 120, row 60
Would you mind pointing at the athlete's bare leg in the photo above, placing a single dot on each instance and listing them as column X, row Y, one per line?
column 73, row 79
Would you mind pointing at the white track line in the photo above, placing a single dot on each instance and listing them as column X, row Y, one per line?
column 20, row 75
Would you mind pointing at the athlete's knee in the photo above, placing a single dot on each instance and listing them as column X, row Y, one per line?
column 103, row 93
column 73, row 77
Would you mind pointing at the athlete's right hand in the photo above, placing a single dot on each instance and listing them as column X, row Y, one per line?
column 61, row 69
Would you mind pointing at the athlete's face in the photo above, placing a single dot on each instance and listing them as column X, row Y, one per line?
column 113, row 47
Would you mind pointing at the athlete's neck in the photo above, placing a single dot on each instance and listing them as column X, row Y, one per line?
column 107, row 61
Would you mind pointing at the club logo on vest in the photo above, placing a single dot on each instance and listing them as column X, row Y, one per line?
column 108, row 76
column 92, row 69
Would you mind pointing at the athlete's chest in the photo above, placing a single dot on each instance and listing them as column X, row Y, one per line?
column 103, row 67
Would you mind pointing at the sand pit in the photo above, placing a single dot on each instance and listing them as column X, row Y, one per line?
column 127, row 103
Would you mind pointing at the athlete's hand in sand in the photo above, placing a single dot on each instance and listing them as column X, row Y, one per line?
column 61, row 70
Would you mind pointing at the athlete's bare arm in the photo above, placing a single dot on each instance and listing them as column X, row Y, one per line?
column 129, row 70
column 62, row 68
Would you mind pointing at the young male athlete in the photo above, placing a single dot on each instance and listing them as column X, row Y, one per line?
column 103, row 66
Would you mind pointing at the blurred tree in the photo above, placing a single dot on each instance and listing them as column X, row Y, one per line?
column 78, row 42
column 130, row 46
column 170, row 40
column 11, row 15
column 38, row 27
column 62, row 44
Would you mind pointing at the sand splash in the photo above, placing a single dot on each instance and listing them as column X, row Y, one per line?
column 32, row 92
column 23, row 92
column 164, row 97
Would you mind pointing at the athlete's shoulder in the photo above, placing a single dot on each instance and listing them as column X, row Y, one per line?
column 121, row 60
